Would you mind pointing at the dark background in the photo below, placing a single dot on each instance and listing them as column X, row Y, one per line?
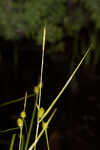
column 68, row 38
column 75, row 120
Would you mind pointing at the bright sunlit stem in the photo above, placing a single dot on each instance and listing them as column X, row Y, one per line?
column 66, row 84
column 41, row 77
column 44, row 37
column 43, row 130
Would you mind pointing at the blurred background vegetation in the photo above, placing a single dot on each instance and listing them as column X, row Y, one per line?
column 71, row 24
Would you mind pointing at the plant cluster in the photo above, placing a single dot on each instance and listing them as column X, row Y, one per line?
column 38, row 111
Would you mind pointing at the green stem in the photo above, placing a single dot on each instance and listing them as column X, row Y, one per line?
column 47, row 139
column 43, row 130
column 41, row 78
column 15, row 101
column 31, row 124
column 7, row 130
column 20, row 140
column 66, row 84
column 12, row 142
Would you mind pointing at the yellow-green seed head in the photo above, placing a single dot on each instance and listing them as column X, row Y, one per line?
column 44, row 125
column 20, row 122
column 40, row 112
column 36, row 90
column 23, row 114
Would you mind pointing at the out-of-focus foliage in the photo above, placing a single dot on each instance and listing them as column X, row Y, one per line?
column 19, row 18
column 63, row 18
column 93, row 7
column 28, row 17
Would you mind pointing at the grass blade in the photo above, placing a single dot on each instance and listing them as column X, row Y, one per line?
column 8, row 130
column 43, row 130
column 31, row 124
column 66, row 84
column 41, row 78
column 12, row 142
column 15, row 101
column 46, row 134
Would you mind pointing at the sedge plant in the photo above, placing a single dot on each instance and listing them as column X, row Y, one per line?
column 38, row 111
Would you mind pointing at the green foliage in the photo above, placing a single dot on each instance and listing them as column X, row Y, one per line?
column 61, row 17
column 74, row 21
column 28, row 18
column 93, row 8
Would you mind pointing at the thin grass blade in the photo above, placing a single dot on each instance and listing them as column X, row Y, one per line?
column 15, row 101
column 8, row 130
column 12, row 142
column 66, row 84
column 43, row 130
column 31, row 125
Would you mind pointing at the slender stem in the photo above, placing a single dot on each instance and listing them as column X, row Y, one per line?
column 66, row 84
column 8, row 130
column 31, row 124
column 25, row 101
column 20, row 141
column 47, row 139
column 43, row 130
column 41, row 78
column 15, row 101
column 12, row 142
